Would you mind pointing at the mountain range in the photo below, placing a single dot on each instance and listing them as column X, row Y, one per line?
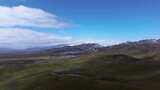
column 139, row 49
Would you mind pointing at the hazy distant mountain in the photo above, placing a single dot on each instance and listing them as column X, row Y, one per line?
column 72, row 50
column 58, row 50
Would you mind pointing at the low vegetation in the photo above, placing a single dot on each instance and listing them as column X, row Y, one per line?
column 91, row 72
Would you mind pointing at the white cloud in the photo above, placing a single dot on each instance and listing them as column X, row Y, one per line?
column 25, row 38
column 21, row 16
column 29, row 17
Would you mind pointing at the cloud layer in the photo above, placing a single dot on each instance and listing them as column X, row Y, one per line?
column 25, row 38
column 99, row 41
column 29, row 17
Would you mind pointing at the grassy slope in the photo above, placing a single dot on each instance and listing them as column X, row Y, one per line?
column 96, row 72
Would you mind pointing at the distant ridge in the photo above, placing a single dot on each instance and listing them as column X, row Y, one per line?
column 142, row 48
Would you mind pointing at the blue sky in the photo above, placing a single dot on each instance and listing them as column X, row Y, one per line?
column 112, row 20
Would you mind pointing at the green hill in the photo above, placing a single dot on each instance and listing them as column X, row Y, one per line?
column 92, row 72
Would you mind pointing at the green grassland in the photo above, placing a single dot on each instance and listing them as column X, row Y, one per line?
column 91, row 72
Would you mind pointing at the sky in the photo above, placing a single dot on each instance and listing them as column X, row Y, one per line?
column 31, row 23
